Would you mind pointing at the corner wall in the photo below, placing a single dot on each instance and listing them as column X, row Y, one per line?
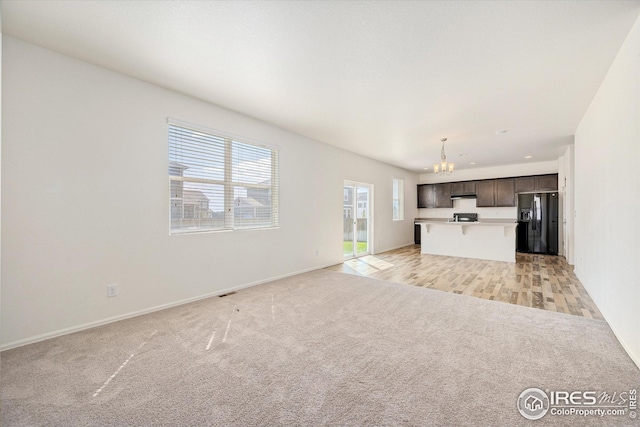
column 607, row 202
column 0, row 158
column 567, row 180
column 85, row 200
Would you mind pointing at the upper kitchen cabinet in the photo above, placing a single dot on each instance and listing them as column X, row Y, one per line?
column 443, row 196
column 499, row 192
column 464, row 188
column 485, row 193
column 426, row 196
column 505, row 192
column 496, row 192
column 547, row 182
column 527, row 184
column 434, row 196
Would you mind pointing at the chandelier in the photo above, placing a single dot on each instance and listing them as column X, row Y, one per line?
column 443, row 168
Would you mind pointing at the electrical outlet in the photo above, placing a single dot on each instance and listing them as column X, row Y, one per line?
column 112, row 290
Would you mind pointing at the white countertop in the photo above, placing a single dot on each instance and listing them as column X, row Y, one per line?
column 487, row 221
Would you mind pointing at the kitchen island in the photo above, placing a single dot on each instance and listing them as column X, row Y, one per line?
column 491, row 239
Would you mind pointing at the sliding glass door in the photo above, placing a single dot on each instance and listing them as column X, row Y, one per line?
column 356, row 215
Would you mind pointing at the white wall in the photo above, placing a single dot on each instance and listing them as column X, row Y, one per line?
column 607, row 188
column 85, row 200
column 469, row 205
column 0, row 158
column 562, row 176
column 566, row 191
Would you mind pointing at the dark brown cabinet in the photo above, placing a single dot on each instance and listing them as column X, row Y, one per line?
column 463, row 188
column 489, row 192
column 434, row 196
column 443, row 196
column 426, row 196
column 496, row 192
column 505, row 192
column 547, row 182
column 485, row 193
column 525, row 183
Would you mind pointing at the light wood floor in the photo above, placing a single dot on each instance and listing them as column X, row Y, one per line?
column 539, row 281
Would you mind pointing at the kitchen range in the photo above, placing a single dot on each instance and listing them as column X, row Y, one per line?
column 464, row 217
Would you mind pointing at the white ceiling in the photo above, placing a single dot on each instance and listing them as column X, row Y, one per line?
column 383, row 79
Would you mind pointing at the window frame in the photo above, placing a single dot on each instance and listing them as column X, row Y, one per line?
column 397, row 183
column 229, row 185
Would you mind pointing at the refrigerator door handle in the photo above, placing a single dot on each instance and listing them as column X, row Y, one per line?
column 533, row 216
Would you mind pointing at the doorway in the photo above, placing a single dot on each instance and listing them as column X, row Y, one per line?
column 357, row 219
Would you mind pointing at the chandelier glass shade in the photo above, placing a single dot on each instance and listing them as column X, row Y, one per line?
column 443, row 168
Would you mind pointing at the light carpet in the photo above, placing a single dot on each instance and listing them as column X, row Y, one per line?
column 320, row 348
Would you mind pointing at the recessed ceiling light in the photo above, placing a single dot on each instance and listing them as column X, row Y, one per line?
column 498, row 132
column 472, row 163
column 426, row 169
column 528, row 157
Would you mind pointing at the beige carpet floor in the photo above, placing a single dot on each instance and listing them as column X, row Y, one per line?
column 321, row 348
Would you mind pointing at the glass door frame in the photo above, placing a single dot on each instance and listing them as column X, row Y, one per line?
column 368, row 214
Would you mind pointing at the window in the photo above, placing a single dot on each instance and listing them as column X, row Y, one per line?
column 220, row 183
column 398, row 199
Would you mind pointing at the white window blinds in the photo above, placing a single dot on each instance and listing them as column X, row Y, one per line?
column 220, row 183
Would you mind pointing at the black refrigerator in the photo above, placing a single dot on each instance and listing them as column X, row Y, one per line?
column 538, row 223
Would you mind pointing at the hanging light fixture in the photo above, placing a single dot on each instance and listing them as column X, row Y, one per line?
column 443, row 168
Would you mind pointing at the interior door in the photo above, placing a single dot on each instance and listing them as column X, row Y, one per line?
column 357, row 220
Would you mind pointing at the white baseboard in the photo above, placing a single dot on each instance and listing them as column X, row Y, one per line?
column 78, row 328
